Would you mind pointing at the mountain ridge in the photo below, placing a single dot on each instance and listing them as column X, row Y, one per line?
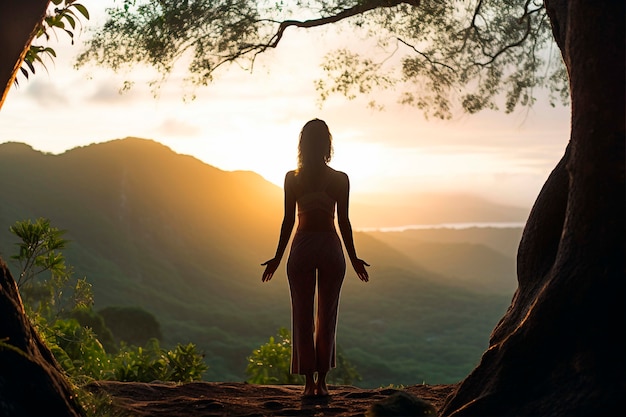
column 185, row 240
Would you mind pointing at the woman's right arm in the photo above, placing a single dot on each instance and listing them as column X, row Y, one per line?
column 286, row 228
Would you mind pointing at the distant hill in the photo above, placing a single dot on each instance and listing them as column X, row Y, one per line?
column 479, row 258
column 184, row 240
column 385, row 210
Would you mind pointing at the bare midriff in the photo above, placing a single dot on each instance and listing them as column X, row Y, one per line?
column 316, row 221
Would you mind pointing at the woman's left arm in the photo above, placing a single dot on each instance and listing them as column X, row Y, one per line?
column 346, row 228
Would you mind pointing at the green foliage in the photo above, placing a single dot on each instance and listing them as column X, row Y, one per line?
column 86, row 317
column 39, row 253
column 76, row 348
column 98, row 404
column 271, row 363
column 39, row 249
column 74, row 333
column 63, row 15
column 150, row 363
column 442, row 56
column 132, row 325
column 82, row 356
column 345, row 373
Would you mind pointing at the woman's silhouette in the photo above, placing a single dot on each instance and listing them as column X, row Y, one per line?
column 316, row 256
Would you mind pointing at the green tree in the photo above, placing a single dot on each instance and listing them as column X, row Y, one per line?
column 132, row 325
column 39, row 249
column 271, row 364
column 40, row 254
column 446, row 55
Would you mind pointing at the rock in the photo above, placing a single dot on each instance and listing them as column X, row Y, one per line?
column 31, row 381
column 401, row 404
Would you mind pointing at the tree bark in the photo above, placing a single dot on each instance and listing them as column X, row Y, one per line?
column 19, row 20
column 31, row 381
column 559, row 349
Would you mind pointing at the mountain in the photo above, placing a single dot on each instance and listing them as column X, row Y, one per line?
column 184, row 240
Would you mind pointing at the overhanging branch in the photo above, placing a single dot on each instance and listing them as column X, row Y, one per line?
column 426, row 57
column 361, row 8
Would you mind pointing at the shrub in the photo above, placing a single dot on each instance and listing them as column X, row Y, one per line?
column 152, row 363
column 271, row 364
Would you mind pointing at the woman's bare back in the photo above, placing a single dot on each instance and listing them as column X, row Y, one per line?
column 316, row 194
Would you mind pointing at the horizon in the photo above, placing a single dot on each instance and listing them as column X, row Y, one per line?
column 251, row 121
column 369, row 211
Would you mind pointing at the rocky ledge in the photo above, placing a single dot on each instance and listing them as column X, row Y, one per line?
column 209, row 399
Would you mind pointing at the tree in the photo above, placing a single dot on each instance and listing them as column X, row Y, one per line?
column 558, row 350
column 39, row 249
column 40, row 252
column 22, row 23
column 457, row 53
column 132, row 325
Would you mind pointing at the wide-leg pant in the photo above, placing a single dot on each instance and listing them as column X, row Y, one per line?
column 315, row 258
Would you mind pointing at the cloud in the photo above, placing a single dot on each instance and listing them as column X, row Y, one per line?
column 175, row 127
column 45, row 93
column 109, row 93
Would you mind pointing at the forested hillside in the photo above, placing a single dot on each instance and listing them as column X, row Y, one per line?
column 184, row 240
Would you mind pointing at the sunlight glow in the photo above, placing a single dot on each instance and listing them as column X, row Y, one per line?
column 251, row 121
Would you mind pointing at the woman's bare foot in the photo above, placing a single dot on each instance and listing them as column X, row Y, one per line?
column 322, row 389
column 309, row 386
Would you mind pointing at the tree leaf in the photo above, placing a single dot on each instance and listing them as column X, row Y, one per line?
column 82, row 9
column 70, row 19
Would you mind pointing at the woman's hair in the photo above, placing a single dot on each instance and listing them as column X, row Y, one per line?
column 315, row 144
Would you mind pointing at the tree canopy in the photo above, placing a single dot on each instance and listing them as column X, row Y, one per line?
column 441, row 56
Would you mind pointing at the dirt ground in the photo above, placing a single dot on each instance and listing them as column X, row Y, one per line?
column 212, row 399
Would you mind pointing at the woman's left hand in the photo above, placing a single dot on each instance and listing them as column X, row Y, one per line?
column 359, row 267
column 270, row 267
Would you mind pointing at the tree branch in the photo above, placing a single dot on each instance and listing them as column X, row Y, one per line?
column 361, row 8
column 426, row 57
column 510, row 45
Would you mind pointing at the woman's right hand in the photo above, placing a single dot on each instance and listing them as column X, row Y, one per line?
column 270, row 267
column 359, row 267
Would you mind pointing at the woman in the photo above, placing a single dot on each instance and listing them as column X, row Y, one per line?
column 316, row 256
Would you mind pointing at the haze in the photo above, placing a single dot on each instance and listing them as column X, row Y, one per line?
column 250, row 121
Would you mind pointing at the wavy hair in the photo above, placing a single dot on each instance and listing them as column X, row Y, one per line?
column 315, row 145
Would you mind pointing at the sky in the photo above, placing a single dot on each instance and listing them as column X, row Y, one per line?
column 251, row 120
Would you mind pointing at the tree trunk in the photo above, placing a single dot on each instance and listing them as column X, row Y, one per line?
column 559, row 349
column 31, row 382
column 19, row 20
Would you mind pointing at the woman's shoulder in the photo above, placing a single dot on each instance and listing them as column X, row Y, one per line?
column 291, row 175
column 338, row 175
